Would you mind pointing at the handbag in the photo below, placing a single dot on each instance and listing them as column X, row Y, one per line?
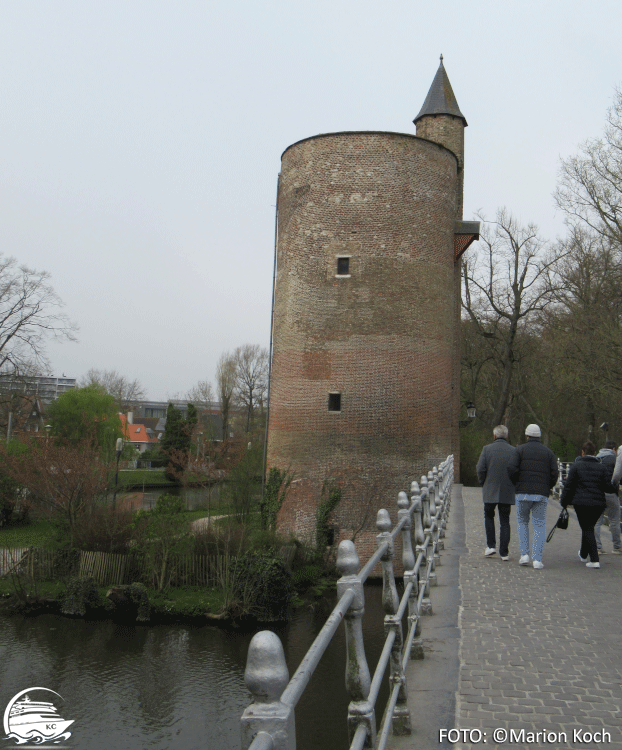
column 562, row 523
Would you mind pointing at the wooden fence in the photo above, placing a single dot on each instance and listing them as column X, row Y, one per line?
column 108, row 568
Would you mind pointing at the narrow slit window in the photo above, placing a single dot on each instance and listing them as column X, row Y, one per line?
column 343, row 266
column 334, row 402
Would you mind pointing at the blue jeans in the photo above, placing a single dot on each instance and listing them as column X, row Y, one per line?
column 534, row 505
column 613, row 513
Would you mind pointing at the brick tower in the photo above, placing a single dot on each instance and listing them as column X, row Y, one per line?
column 364, row 393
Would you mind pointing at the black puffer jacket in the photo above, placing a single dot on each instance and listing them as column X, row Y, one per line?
column 533, row 468
column 586, row 483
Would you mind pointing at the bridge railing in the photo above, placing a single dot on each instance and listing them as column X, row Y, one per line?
column 269, row 722
column 563, row 469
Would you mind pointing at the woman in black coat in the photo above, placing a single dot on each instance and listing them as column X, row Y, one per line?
column 586, row 484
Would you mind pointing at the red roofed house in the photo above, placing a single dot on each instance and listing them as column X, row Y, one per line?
column 140, row 436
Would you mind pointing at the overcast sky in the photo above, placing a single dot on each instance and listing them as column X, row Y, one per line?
column 140, row 143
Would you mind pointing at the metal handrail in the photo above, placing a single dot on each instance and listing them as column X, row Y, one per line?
column 269, row 723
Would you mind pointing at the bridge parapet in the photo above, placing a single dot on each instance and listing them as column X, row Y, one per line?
column 269, row 722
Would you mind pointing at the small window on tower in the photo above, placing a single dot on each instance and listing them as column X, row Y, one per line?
column 343, row 266
column 334, row 402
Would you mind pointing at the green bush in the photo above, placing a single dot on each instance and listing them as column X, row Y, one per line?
column 307, row 576
column 131, row 601
column 187, row 601
column 81, row 593
column 261, row 587
column 327, row 506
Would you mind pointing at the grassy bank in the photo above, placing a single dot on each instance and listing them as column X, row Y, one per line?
column 175, row 604
column 42, row 533
column 152, row 478
column 38, row 533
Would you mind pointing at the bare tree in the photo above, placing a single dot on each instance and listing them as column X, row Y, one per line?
column 30, row 314
column 583, row 329
column 506, row 286
column 251, row 379
column 66, row 478
column 225, row 387
column 590, row 183
column 127, row 393
column 202, row 396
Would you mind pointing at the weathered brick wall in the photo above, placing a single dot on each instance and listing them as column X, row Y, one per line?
column 384, row 337
column 449, row 131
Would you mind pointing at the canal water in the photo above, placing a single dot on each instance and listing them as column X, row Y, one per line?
column 171, row 687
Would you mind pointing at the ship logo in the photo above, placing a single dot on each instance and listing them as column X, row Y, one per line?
column 34, row 721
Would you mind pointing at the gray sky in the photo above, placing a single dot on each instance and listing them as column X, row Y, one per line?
column 140, row 143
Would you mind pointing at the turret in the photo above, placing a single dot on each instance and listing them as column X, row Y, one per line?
column 440, row 120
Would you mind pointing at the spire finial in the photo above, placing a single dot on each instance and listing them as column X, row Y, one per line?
column 440, row 99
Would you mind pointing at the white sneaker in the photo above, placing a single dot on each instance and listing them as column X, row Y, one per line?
column 490, row 551
column 506, row 558
column 592, row 565
column 537, row 565
column 583, row 559
column 524, row 560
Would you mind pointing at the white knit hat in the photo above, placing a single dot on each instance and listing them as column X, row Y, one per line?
column 533, row 431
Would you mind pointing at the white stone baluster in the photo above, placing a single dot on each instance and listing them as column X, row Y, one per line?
column 358, row 681
column 415, row 497
column 266, row 677
column 408, row 556
column 390, row 602
column 416, row 652
column 425, row 499
column 432, row 489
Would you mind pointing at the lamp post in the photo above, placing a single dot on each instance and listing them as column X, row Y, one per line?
column 116, row 476
column 471, row 414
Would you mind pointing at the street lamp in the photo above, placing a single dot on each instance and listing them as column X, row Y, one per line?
column 116, row 476
column 471, row 412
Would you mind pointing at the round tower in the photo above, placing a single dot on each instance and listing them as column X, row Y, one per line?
column 363, row 391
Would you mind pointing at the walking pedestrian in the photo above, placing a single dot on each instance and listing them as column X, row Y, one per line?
column 585, row 487
column 607, row 457
column 533, row 471
column 498, row 490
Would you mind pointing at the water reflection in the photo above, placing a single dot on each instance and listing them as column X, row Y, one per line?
column 170, row 687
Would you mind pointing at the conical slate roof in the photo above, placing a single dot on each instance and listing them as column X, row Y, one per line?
column 440, row 99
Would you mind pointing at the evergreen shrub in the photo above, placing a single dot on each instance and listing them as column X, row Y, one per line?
column 81, row 594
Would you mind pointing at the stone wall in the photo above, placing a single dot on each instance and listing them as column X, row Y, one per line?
column 382, row 336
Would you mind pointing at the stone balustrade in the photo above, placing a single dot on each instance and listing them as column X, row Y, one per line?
column 269, row 722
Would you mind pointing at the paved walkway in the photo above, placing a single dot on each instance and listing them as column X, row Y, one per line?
column 534, row 654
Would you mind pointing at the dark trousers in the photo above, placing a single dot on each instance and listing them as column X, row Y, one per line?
column 587, row 515
column 504, row 526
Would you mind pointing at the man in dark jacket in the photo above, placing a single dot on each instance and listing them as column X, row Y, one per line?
column 533, row 471
column 585, row 487
column 498, row 490
column 607, row 457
